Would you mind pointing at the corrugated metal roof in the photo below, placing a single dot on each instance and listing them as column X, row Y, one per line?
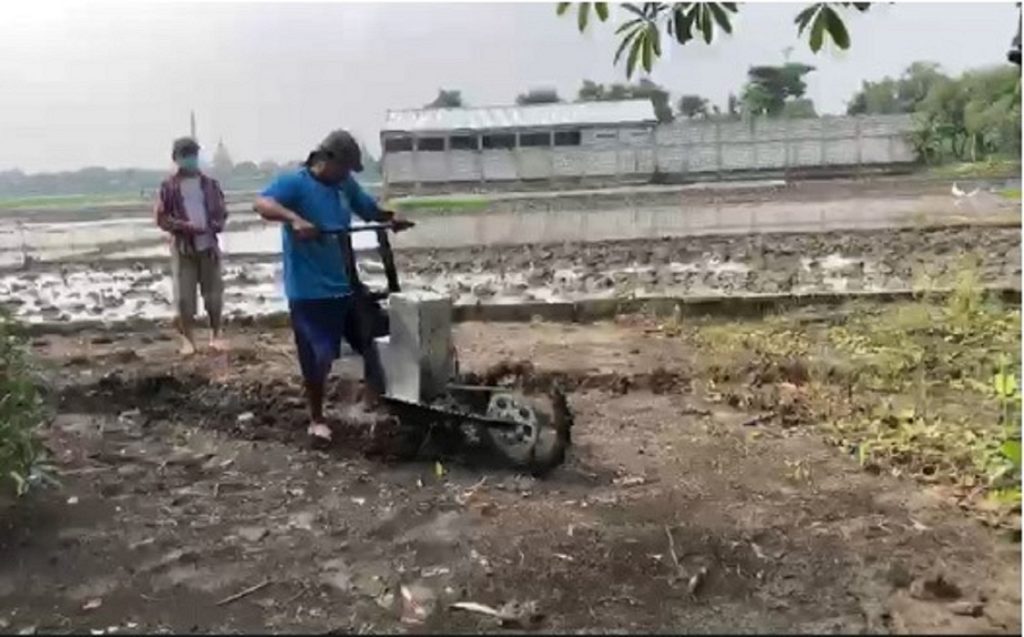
column 535, row 115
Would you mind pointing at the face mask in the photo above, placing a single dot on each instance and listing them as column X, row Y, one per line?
column 190, row 163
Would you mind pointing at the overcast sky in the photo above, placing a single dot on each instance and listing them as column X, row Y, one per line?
column 90, row 83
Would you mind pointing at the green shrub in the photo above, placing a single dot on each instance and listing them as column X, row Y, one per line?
column 20, row 414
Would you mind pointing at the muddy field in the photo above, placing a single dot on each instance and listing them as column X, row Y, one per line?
column 724, row 476
column 190, row 503
column 643, row 212
column 889, row 260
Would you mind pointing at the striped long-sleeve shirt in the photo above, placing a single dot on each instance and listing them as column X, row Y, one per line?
column 172, row 217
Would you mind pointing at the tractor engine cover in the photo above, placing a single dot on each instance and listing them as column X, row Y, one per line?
column 420, row 364
column 417, row 355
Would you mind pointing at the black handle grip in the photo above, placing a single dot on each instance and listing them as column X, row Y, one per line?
column 387, row 256
column 374, row 226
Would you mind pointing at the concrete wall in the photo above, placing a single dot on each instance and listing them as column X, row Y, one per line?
column 697, row 149
column 680, row 151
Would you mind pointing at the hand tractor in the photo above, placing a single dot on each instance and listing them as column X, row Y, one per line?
column 410, row 361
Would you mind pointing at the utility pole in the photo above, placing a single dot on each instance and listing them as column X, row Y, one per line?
column 1014, row 54
column 192, row 125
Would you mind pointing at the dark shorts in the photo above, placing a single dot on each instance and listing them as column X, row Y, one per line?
column 319, row 325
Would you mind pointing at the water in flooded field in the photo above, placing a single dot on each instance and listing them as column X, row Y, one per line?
column 139, row 238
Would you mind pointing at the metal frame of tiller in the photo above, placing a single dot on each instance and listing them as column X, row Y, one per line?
column 528, row 433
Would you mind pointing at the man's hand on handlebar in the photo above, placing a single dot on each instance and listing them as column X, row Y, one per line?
column 398, row 223
column 304, row 229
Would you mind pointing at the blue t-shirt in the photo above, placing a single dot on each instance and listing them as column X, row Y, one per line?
column 315, row 268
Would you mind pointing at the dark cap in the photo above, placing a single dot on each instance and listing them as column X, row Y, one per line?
column 340, row 145
column 184, row 146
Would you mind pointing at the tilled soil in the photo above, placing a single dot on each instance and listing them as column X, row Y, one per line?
column 191, row 502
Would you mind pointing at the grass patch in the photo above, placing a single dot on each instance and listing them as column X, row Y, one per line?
column 926, row 388
column 991, row 169
column 440, row 205
column 59, row 202
column 1012, row 194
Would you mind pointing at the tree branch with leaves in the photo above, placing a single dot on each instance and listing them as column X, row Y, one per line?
column 641, row 32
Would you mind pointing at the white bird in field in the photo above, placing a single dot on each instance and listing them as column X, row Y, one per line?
column 960, row 193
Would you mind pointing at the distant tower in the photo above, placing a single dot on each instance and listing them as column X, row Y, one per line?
column 222, row 164
column 192, row 124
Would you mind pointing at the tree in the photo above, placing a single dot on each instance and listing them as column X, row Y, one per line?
column 769, row 87
column 538, row 96
column 684, row 21
column 644, row 89
column 974, row 116
column 916, row 82
column 902, row 95
column 590, row 92
column 691, row 106
column 446, row 99
column 659, row 98
column 992, row 114
column 942, row 112
column 875, row 98
column 799, row 108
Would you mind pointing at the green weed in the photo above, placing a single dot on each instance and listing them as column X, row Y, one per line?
column 21, row 457
column 927, row 388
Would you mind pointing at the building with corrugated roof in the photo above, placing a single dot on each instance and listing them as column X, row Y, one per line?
column 514, row 146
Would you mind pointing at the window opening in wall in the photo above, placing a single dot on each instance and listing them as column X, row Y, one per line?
column 503, row 141
column 567, row 138
column 430, row 144
column 534, row 140
column 464, row 142
column 606, row 135
column 397, row 144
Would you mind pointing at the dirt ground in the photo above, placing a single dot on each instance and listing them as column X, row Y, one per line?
column 190, row 503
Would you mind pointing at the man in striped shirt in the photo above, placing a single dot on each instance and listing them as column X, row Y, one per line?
column 191, row 208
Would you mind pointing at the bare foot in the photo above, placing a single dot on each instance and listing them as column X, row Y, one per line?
column 188, row 348
column 218, row 344
column 320, row 431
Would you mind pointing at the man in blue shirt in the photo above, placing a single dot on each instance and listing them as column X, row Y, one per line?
column 320, row 197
